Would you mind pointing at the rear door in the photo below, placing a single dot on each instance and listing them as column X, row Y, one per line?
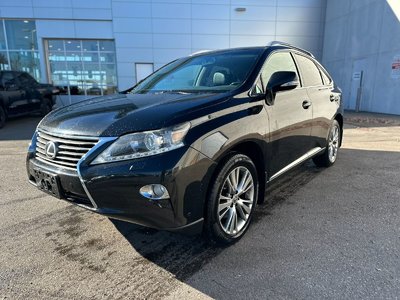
column 290, row 122
column 319, row 88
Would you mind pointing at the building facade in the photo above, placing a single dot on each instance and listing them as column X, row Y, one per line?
column 362, row 51
column 94, row 47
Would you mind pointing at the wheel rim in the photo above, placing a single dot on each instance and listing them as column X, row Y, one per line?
column 333, row 145
column 236, row 200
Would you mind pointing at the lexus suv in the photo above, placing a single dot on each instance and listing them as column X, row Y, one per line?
column 192, row 147
column 20, row 94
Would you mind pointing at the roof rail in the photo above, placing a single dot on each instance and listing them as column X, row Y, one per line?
column 279, row 43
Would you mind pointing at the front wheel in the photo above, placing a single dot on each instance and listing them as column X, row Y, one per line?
column 329, row 156
column 232, row 200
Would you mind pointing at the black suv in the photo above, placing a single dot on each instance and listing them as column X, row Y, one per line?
column 20, row 94
column 192, row 147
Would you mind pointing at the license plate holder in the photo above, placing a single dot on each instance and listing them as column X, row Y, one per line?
column 47, row 182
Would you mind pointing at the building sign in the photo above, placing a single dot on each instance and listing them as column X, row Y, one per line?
column 357, row 75
column 396, row 67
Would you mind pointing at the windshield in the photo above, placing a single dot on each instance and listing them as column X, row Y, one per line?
column 213, row 72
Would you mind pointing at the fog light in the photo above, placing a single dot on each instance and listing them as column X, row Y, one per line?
column 154, row 192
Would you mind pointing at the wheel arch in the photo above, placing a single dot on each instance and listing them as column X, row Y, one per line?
column 255, row 152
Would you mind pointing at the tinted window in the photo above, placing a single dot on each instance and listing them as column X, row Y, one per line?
column 281, row 61
column 25, row 79
column 309, row 71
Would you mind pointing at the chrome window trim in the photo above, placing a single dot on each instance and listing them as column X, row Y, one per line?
column 101, row 142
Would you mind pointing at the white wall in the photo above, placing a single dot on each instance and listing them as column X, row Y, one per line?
column 159, row 31
column 365, row 33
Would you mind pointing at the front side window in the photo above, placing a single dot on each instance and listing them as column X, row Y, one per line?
column 276, row 62
column 212, row 72
column 309, row 71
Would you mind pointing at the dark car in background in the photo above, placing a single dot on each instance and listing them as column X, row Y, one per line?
column 21, row 94
column 192, row 147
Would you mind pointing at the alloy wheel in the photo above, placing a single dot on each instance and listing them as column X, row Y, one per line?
column 333, row 145
column 236, row 200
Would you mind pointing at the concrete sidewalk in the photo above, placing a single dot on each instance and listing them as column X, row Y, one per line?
column 370, row 119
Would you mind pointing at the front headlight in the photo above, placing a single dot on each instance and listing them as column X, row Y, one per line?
column 144, row 144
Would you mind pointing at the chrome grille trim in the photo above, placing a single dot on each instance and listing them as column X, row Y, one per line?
column 71, row 149
column 100, row 143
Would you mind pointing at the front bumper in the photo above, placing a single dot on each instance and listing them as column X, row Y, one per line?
column 112, row 189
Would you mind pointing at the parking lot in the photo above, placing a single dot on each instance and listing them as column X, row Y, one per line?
column 322, row 233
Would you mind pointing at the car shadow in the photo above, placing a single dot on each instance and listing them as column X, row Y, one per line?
column 184, row 255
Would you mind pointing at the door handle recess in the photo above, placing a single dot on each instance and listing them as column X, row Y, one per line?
column 306, row 104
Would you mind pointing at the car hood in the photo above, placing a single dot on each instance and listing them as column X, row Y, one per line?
column 119, row 114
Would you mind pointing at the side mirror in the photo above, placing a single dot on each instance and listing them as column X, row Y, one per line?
column 281, row 81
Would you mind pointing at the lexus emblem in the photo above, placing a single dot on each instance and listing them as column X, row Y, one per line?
column 51, row 150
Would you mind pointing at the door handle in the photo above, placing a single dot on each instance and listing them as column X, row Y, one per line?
column 306, row 104
column 332, row 97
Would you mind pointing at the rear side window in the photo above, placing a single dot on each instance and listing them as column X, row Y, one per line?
column 281, row 61
column 309, row 71
column 25, row 79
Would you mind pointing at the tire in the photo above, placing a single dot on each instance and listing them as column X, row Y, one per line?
column 45, row 107
column 329, row 156
column 227, row 203
column 3, row 117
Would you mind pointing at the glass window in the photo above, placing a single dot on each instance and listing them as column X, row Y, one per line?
column 309, row 71
column 80, row 67
column 21, row 34
column 73, row 45
column 2, row 37
column 209, row 72
column 90, row 46
column 25, row 79
column 27, row 61
column 4, row 65
column 281, row 61
column 326, row 78
column 19, row 52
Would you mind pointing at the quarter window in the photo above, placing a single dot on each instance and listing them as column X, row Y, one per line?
column 325, row 77
column 309, row 71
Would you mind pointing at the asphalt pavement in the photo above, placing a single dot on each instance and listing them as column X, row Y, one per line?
column 322, row 233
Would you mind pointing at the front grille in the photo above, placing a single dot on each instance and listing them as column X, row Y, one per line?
column 69, row 149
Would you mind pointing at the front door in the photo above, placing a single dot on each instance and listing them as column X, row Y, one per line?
column 290, row 120
column 290, row 127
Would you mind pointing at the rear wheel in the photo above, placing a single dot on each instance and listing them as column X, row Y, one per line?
column 232, row 200
column 2, row 117
column 329, row 156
